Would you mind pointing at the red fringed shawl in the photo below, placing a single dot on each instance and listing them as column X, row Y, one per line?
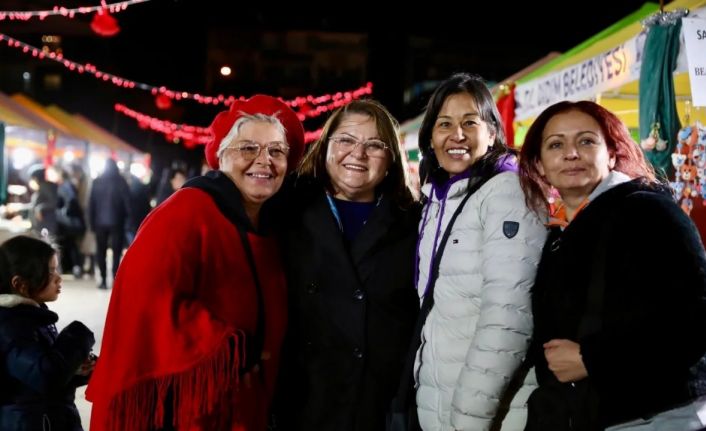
column 183, row 297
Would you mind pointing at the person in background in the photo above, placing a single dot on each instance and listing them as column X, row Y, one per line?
column 198, row 312
column 43, row 204
column 469, row 367
column 108, row 211
column 71, row 226
column 620, row 296
column 40, row 369
column 87, row 241
column 172, row 180
column 350, row 245
column 139, row 206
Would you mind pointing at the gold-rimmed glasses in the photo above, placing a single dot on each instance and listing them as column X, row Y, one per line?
column 250, row 150
column 371, row 147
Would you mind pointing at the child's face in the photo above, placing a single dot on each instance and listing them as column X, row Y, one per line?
column 53, row 287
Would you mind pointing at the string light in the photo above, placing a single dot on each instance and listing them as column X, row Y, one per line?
column 19, row 15
column 307, row 106
column 189, row 134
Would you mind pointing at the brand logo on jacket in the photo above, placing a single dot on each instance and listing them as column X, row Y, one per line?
column 510, row 228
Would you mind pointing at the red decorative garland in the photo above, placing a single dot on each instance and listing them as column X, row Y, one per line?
column 189, row 134
column 21, row 15
column 302, row 104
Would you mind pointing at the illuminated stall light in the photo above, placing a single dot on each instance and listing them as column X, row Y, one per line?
column 16, row 189
column 139, row 170
column 68, row 156
column 22, row 157
column 96, row 165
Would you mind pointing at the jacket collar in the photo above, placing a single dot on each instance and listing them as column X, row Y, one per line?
column 10, row 300
column 229, row 200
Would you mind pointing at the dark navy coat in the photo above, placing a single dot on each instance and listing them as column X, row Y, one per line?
column 38, row 368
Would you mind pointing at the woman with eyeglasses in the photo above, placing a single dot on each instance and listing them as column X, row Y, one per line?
column 349, row 256
column 478, row 252
column 198, row 312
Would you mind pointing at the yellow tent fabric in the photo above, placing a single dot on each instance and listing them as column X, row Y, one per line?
column 624, row 100
column 103, row 135
column 14, row 118
column 39, row 111
column 79, row 128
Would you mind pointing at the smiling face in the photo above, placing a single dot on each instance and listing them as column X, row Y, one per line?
column 260, row 178
column 460, row 136
column 574, row 157
column 355, row 172
column 53, row 288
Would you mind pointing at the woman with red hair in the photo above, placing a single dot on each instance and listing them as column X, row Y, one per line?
column 618, row 303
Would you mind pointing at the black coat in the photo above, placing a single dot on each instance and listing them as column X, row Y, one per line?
column 653, row 309
column 352, row 311
column 109, row 204
column 37, row 378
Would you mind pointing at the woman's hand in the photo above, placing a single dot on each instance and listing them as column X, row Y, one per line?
column 564, row 359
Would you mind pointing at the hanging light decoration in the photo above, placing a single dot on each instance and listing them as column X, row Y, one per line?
column 317, row 105
column 163, row 102
column 188, row 134
column 103, row 23
column 22, row 15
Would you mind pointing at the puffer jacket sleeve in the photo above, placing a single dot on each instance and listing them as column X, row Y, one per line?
column 513, row 238
column 46, row 369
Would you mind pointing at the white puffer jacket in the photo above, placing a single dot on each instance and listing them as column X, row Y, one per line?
column 475, row 338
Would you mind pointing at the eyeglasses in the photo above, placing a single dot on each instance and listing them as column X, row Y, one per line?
column 371, row 147
column 250, row 150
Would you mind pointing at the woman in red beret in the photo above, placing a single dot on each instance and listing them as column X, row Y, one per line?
column 198, row 311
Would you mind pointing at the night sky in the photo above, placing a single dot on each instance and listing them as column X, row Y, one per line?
column 163, row 42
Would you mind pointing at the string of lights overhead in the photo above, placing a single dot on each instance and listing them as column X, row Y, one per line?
column 306, row 106
column 20, row 15
column 179, row 132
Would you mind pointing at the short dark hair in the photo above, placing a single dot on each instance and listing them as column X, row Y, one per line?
column 628, row 156
column 28, row 258
column 396, row 183
column 475, row 86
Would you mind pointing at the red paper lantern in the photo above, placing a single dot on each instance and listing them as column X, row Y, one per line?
column 104, row 24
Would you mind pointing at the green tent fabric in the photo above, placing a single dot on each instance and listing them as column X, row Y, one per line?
column 3, row 166
column 657, row 98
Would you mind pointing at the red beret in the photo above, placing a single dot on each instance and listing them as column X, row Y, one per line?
column 258, row 104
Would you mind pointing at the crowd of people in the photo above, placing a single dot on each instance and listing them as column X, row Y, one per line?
column 300, row 288
column 86, row 217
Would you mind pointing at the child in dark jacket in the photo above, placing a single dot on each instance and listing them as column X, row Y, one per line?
column 39, row 368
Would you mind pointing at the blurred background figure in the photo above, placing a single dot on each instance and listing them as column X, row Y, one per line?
column 139, row 206
column 70, row 225
column 172, row 180
column 43, row 202
column 87, row 241
column 108, row 208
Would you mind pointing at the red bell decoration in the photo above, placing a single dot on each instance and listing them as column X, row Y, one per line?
column 104, row 24
column 163, row 102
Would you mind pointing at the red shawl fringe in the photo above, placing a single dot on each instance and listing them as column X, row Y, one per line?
column 196, row 393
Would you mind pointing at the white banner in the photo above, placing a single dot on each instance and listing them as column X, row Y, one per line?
column 694, row 30
column 603, row 72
